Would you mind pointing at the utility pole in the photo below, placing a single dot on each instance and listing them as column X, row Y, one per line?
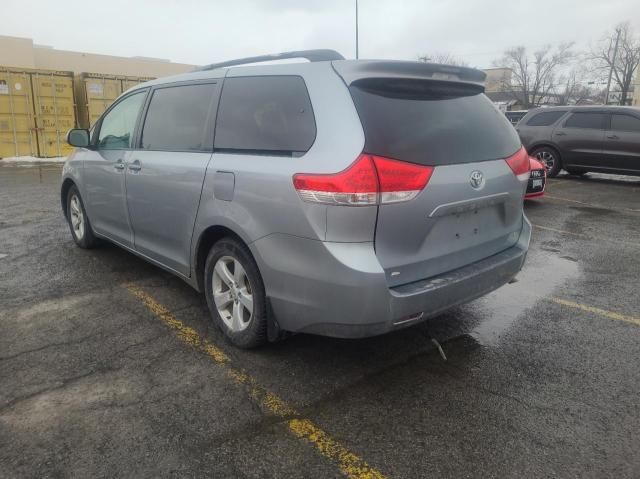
column 613, row 62
column 356, row 29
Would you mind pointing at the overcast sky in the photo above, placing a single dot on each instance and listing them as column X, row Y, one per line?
column 204, row 31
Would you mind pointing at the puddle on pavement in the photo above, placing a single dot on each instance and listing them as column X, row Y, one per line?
column 540, row 278
column 593, row 210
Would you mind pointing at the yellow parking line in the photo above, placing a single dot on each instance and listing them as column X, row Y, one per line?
column 349, row 463
column 598, row 311
column 569, row 200
column 185, row 333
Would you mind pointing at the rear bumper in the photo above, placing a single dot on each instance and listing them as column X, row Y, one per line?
column 339, row 289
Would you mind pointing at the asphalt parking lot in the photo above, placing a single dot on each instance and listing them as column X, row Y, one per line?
column 109, row 367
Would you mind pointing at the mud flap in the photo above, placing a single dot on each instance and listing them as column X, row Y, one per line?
column 274, row 333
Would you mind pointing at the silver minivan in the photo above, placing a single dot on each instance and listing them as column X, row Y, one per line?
column 346, row 198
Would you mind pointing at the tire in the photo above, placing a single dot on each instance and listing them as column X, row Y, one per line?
column 78, row 220
column 571, row 171
column 239, row 306
column 550, row 158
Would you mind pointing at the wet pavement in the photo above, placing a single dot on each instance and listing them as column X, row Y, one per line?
column 110, row 368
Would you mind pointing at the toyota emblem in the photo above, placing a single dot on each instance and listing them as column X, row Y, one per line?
column 476, row 180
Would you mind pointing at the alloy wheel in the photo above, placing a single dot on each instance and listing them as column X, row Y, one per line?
column 77, row 217
column 546, row 158
column 232, row 293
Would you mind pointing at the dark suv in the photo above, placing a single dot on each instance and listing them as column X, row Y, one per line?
column 579, row 139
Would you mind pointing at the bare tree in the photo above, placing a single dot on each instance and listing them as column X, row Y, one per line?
column 578, row 86
column 567, row 88
column 535, row 75
column 626, row 59
column 443, row 58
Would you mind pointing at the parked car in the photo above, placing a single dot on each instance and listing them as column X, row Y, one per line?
column 515, row 116
column 339, row 197
column 537, row 179
column 580, row 139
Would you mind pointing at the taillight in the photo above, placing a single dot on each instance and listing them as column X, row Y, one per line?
column 369, row 180
column 519, row 163
column 357, row 185
column 400, row 181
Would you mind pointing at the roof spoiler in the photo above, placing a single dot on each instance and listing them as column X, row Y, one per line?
column 311, row 55
column 352, row 71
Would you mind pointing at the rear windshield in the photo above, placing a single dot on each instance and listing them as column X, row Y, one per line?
column 431, row 123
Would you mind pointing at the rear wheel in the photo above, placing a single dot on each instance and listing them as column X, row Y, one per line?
column 79, row 221
column 549, row 158
column 235, row 293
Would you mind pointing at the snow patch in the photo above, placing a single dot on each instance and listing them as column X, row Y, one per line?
column 33, row 159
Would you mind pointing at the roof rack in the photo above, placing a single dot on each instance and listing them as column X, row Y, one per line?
column 311, row 55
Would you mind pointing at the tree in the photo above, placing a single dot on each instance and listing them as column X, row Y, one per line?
column 626, row 61
column 578, row 86
column 535, row 75
column 443, row 58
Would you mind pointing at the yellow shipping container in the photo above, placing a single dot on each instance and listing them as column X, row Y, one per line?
column 95, row 92
column 17, row 124
column 36, row 110
column 130, row 82
column 54, row 111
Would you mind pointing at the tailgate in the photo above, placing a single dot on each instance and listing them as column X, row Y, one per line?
column 471, row 207
column 450, row 224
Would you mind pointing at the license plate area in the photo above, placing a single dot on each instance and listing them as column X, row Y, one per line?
column 467, row 225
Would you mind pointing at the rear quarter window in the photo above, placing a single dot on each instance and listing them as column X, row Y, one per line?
column 625, row 122
column 546, row 118
column 431, row 122
column 265, row 115
column 587, row 120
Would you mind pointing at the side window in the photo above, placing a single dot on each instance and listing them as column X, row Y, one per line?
column 179, row 119
column 589, row 120
column 545, row 119
column 625, row 123
column 268, row 115
column 117, row 127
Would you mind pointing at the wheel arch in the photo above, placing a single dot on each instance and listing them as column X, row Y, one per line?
column 206, row 240
column 67, row 184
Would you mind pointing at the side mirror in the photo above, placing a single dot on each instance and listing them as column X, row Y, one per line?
column 78, row 137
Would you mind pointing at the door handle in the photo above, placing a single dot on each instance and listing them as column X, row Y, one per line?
column 613, row 137
column 561, row 133
column 119, row 165
column 135, row 166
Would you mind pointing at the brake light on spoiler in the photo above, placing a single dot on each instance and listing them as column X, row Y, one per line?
column 369, row 180
column 519, row 164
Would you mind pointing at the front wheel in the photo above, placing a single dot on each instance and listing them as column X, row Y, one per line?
column 235, row 293
column 78, row 220
column 549, row 158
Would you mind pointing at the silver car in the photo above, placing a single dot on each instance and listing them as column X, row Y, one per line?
column 346, row 198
